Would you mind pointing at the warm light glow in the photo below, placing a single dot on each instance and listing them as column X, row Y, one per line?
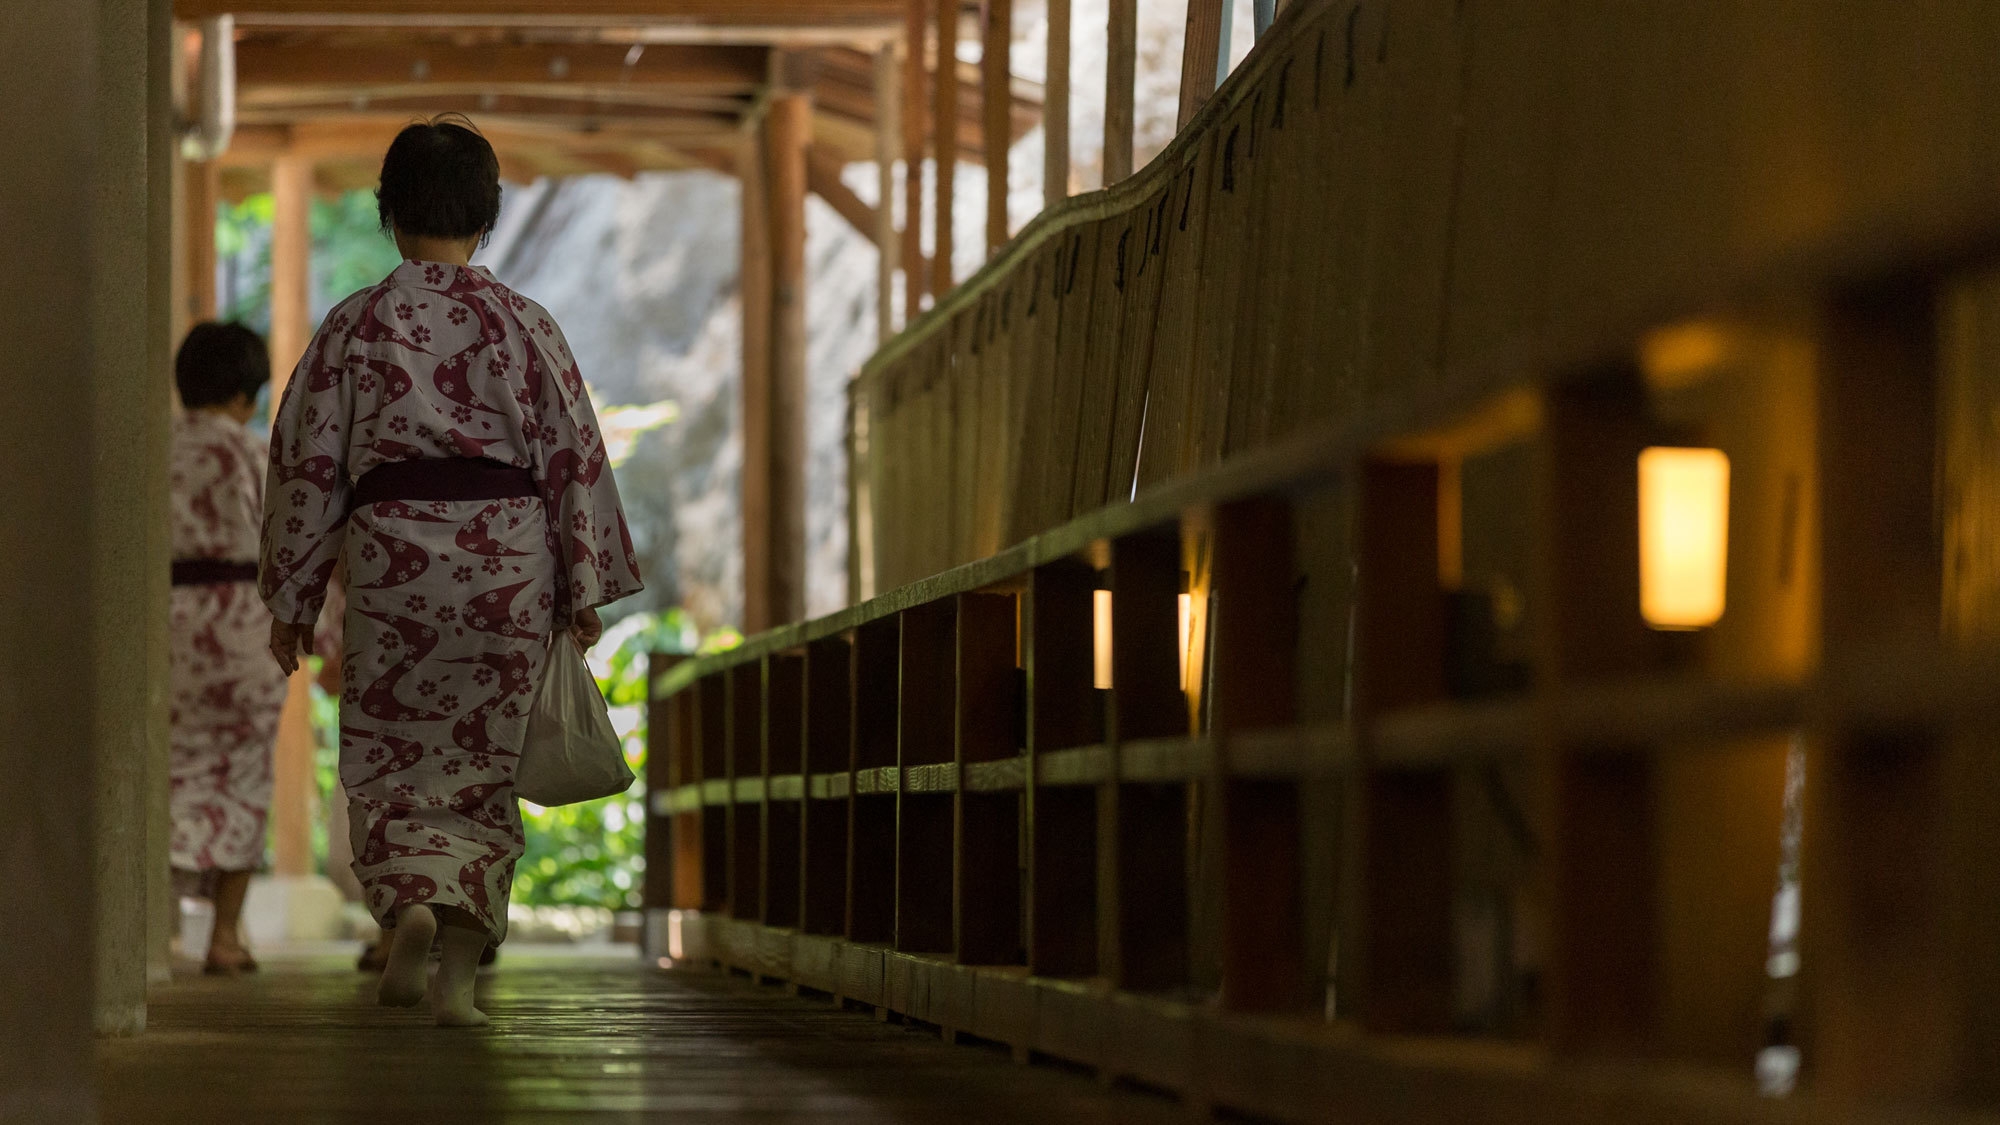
column 1683, row 536
column 1187, row 607
column 1100, row 637
column 676, row 948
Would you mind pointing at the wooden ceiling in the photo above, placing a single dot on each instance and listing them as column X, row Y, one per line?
column 560, row 86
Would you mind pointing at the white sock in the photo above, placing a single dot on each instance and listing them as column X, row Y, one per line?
column 452, row 999
column 409, row 956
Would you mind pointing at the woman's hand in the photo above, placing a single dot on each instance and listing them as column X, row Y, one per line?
column 586, row 627
column 288, row 643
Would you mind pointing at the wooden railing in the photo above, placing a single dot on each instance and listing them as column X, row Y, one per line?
column 1285, row 855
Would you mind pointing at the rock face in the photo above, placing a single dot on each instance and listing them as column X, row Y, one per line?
column 642, row 274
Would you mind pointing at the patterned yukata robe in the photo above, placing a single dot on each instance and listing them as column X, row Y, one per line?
column 225, row 690
column 450, row 604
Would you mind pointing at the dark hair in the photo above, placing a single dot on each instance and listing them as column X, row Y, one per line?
column 217, row 362
column 440, row 179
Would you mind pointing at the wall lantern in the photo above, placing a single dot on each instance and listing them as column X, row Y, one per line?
column 1683, row 536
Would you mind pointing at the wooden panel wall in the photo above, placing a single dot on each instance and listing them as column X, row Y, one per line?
column 1375, row 209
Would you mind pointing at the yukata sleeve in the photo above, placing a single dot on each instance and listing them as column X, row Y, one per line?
column 596, row 564
column 306, row 489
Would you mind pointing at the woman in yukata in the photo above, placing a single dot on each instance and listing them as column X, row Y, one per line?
column 226, row 696
column 437, row 434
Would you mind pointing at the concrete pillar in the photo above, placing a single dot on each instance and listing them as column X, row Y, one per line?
column 162, row 913
column 125, row 400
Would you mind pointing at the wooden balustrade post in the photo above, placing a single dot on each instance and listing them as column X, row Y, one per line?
column 829, row 734
column 712, row 747
column 871, row 840
column 745, row 692
column 1143, row 825
column 1899, row 852
column 1404, row 821
column 1254, row 686
column 664, row 742
column 1201, row 55
column 1601, row 822
column 986, row 875
column 784, row 717
column 1063, row 713
column 926, row 687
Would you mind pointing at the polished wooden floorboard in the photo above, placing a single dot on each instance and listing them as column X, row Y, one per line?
column 571, row 1040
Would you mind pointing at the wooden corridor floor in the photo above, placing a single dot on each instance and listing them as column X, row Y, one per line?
column 572, row 1040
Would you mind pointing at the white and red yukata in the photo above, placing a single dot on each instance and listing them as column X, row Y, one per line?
column 226, row 691
column 450, row 603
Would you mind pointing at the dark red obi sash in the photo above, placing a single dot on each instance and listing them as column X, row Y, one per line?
column 443, row 478
column 212, row 572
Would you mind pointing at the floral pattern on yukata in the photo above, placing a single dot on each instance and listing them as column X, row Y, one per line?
column 450, row 604
column 225, row 691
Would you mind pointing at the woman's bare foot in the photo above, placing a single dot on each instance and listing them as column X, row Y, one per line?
column 409, row 956
column 458, row 969
column 228, row 959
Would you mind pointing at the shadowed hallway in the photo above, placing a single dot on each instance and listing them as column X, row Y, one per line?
column 572, row 1039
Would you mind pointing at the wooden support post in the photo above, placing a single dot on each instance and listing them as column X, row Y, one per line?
column 1143, row 826
column 1602, row 823
column 916, row 128
column 784, row 717
column 986, row 869
column 1403, row 820
column 944, row 143
column 926, row 688
column 1063, row 713
column 997, row 116
column 888, row 145
column 829, row 751
column 1201, row 56
column 1055, row 108
column 1899, row 853
column 203, row 188
column 1120, row 88
column 788, row 127
column 744, row 689
column 756, row 284
column 295, row 792
column 871, row 848
column 1256, row 645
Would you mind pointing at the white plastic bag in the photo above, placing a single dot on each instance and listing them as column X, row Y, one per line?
column 571, row 753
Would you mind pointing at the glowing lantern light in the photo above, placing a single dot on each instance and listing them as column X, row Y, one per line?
column 1683, row 536
column 1187, row 607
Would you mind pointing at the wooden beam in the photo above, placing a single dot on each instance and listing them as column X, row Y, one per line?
column 916, row 127
column 888, row 148
column 852, row 15
column 1199, row 56
column 788, row 131
column 579, row 114
column 823, row 179
column 944, row 141
column 263, row 64
column 996, row 105
column 1120, row 77
column 1055, row 108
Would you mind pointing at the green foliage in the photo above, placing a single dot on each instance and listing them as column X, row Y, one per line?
column 349, row 252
